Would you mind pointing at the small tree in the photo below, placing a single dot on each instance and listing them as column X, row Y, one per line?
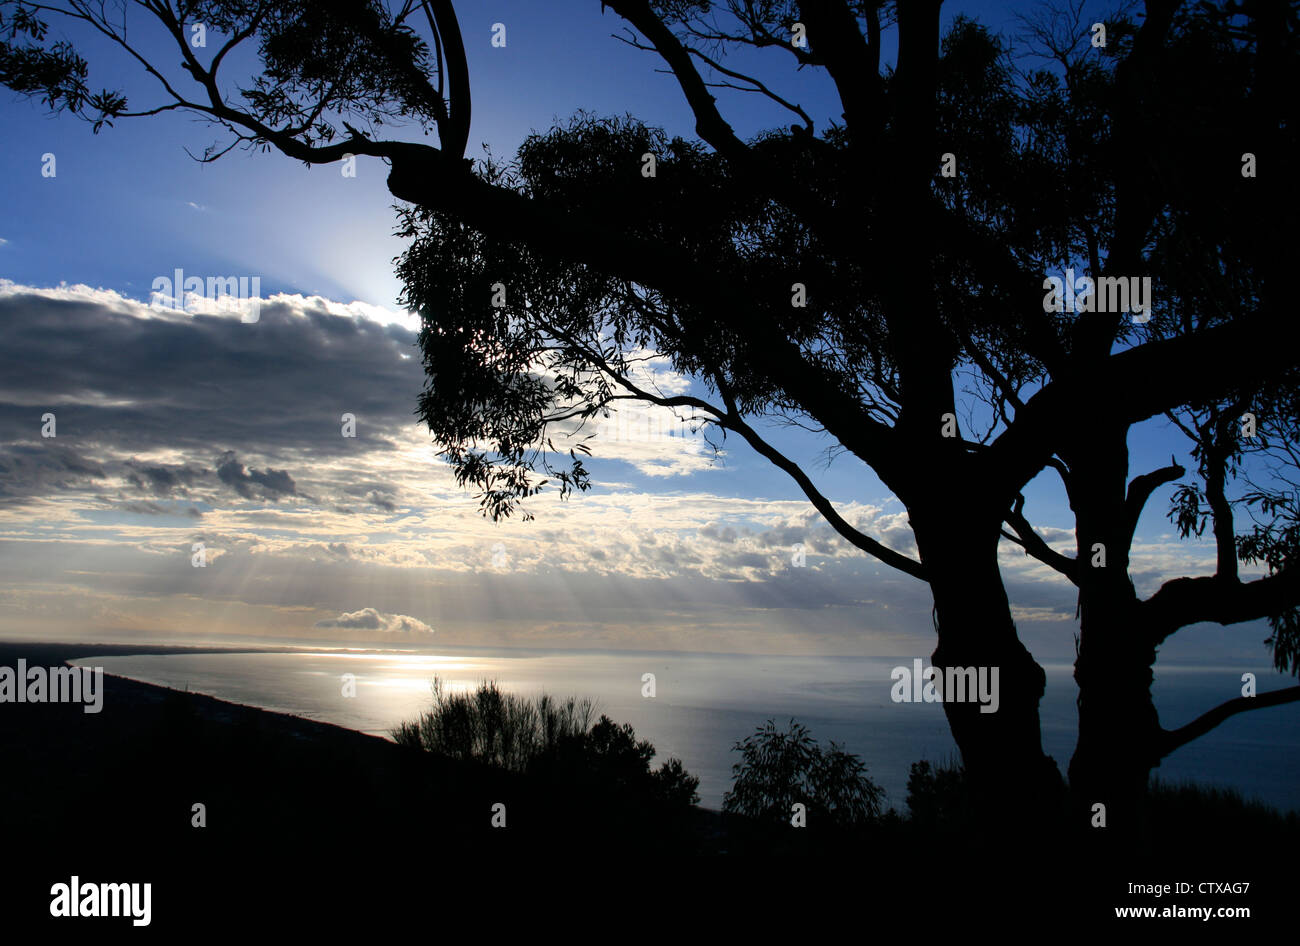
column 782, row 768
column 499, row 729
column 550, row 739
column 610, row 757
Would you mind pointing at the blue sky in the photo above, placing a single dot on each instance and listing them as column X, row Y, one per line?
column 315, row 537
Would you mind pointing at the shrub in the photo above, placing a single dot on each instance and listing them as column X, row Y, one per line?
column 498, row 729
column 548, row 739
column 780, row 768
column 937, row 796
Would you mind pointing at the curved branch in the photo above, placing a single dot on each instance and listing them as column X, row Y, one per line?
column 1185, row 601
column 759, row 37
column 1036, row 546
column 730, row 419
column 823, row 505
column 709, row 123
column 714, row 129
column 454, row 138
column 1140, row 490
column 1169, row 740
column 757, row 86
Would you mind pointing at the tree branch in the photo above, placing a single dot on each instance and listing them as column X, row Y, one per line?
column 1136, row 199
column 709, row 123
column 1185, row 601
column 714, row 129
column 1137, row 383
column 1036, row 546
column 454, row 138
column 1173, row 739
column 1218, row 448
column 730, row 419
column 823, row 505
column 1140, row 490
column 852, row 62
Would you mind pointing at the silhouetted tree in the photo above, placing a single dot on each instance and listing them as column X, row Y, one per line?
column 1203, row 85
column 553, row 742
column 879, row 279
column 779, row 769
column 611, row 755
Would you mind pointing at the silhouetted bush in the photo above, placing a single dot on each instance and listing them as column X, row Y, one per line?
column 610, row 759
column 782, row 768
column 498, row 729
column 554, row 743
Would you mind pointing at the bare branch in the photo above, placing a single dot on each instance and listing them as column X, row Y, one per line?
column 454, row 137
column 709, row 123
column 823, row 505
column 1173, row 739
column 1036, row 546
column 1185, row 601
column 1140, row 490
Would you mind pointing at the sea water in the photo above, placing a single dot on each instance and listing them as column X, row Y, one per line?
column 705, row 703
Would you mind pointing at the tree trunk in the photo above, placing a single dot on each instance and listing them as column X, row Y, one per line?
column 1118, row 729
column 1015, row 787
column 1118, row 724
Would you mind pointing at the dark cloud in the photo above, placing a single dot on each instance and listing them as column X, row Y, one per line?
column 379, row 501
column 114, row 378
column 269, row 484
column 163, row 481
column 380, row 495
column 29, row 470
column 248, row 407
column 149, row 508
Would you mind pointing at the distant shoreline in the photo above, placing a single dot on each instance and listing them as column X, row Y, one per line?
column 138, row 694
column 63, row 651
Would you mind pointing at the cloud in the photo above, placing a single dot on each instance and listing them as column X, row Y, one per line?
column 120, row 374
column 368, row 619
column 162, row 480
column 272, row 484
column 175, row 428
column 28, row 470
column 149, row 508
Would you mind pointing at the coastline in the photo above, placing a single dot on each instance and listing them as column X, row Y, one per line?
column 136, row 694
column 132, row 773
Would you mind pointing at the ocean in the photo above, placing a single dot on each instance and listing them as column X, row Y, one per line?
column 704, row 704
